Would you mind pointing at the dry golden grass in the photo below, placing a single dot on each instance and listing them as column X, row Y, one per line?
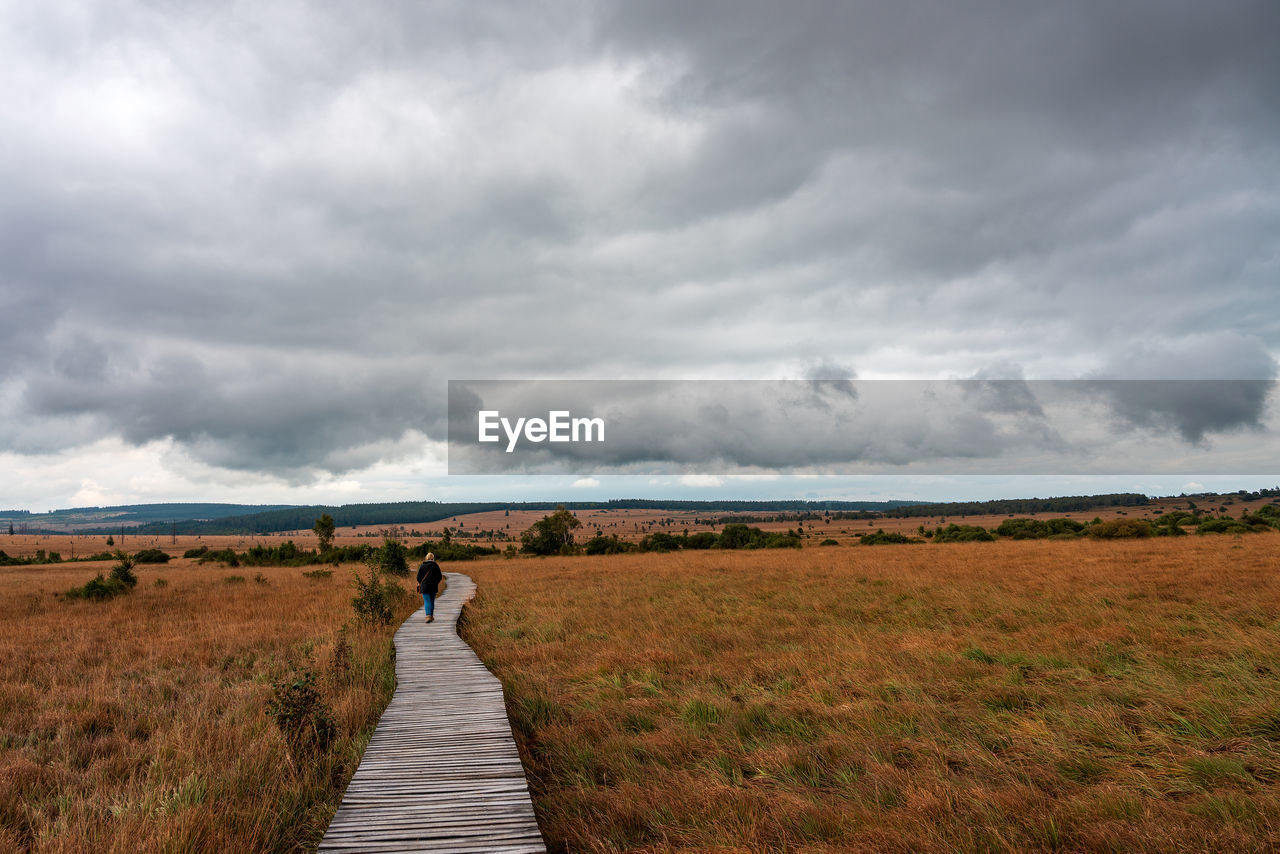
column 1011, row 696
column 138, row 724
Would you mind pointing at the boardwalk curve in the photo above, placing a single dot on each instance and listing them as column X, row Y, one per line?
column 441, row 772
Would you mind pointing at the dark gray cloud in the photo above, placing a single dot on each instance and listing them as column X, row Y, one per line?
column 271, row 234
column 859, row 426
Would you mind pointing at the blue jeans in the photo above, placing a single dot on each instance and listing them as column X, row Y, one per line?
column 429, row 603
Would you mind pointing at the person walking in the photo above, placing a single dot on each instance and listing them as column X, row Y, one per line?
column 429, row 577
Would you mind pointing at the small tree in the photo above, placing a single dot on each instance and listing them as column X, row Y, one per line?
column 551, row 534
column 324, row 528
column 123, row 570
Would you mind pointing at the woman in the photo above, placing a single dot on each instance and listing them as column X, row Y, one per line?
column 429, row 576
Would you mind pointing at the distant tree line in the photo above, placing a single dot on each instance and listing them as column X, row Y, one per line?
column 1005, row 506
column 405, row 512
column 1171, row 524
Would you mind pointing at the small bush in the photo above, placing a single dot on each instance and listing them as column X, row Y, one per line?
column 954, row 533
column 393, row 557
column 600, row 545
column 375, row 597
column 318, row 574
column 1226, row 525
column 151, row 556
column 659, row 542
column 829, row 542
column 1037, row 529
column 233, row 579
column 301, row 716
column 99, row 589
column 881, row 538
column 260, row 578
column 701, row 540
column 227, row 556
column 1118, row 529
column 1257, row 521
column 197, row 552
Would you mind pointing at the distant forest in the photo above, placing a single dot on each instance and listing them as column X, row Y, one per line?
column 195, row 518
column 1022, row 505
column 409, row 512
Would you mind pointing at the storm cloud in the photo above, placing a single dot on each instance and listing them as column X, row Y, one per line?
column 860, row 427
column 271, row 234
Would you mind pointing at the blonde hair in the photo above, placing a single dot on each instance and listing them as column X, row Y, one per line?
column 430, row 556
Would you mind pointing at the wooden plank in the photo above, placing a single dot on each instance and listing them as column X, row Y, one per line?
column 441, row 772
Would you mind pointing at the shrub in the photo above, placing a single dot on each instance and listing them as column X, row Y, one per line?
column 123, row 570
column 233, row 579
column 301, row 715
column 318, row 574
column 1118, row 529
column 374, row 597
column 197, row 552
column 1255, row 520
column 881, row 538
column 1226, row 525
column 659, row 542
column 449, row 550
column 829, row 542
column 600, row 545
column 151, row 556
column 99, row 589
column 954, row 533
column 393, row 557
column 736, row 536
column 227, row 556
column 1173, row 521
column 700, row 540
column 783, row 540
column 1035, row 529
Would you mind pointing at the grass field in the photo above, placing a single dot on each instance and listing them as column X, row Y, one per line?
column 1011, row 696
column 138, row 724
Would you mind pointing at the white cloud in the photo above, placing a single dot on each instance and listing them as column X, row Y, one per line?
column 701, row 480
column 585, row 483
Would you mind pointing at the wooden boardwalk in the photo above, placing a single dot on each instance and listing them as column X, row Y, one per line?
column 441, row 772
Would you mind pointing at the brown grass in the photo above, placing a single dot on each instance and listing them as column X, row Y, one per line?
column 138, row 724
column 1012, row 696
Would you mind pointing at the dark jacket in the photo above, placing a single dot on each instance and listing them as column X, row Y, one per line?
column 429, row 576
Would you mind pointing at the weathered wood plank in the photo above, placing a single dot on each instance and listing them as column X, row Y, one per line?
column 441, row 772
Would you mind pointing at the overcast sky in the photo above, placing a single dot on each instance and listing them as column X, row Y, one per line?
column 243, row 247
